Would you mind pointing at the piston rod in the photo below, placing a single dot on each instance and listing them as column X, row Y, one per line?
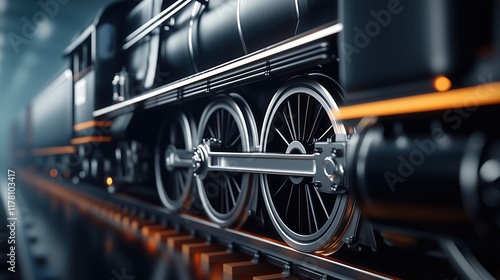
column 325, row 165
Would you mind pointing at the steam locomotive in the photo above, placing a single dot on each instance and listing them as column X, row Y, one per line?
column 358, row 123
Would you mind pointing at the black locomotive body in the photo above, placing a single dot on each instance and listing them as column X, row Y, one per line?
column 358, row 122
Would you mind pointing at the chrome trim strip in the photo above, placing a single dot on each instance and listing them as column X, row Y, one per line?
column 82, row 37
column 153, row 23
column 93, row 48
column 240, row 30
column 194, row 13
column 297, row 11
column 231, row 65
column 154, row 51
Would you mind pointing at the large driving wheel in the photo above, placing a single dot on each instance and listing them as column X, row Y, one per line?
column 227, row 123
column 300, row 113
column 174, row 183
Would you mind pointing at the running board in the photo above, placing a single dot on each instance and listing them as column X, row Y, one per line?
column 313, row 48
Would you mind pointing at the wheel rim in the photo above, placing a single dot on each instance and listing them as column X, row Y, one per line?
column 308, row 220
column 174, row 184
column 225, row 195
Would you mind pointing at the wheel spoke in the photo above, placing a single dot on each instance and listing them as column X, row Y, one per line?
column 291, row 119
column 289, row 200
column 179, row 184
column 236, row 184
column 181, row 179
column 282, row 137
column 226, row 196
column 298, row 117
column 300, row 210
column 226, row 120
column 211, row 131
column 322, row 203
column 308, row 210
column 218, row 121
column 230, row 190
column 235, row 141
column 172, row 133
column 221, row 200
column 306, row 115
column 324, row 133
column 282, row 185
column 288, row 125
column 313, row 129
column 232, row 129
column 313, row 211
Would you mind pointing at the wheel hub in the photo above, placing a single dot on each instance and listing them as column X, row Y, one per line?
column 200, row 155
column 296, row 147
column 169, row 157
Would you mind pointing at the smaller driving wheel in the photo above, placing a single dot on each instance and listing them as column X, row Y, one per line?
column 174, row 183
column 228, row 124
column 300, row 114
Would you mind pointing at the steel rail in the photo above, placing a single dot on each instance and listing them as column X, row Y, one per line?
column 275, row 252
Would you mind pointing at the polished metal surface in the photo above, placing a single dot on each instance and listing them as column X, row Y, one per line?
column 302, row 111
column 402, row 176
column 174, row 180
column 232, row 65
column 325, row 170
column 155, row 22
column 225, row 195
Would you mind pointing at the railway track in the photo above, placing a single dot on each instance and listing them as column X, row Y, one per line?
column 214, row 252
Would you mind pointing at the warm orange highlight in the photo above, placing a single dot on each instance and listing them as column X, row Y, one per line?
column 442, row 83
column 481, row 95
column 109, row 181
column 400, row 240
column 88, row 139
column 151, row 246
column 53, row 173
column 53, row 151
column 90, row 124
column 82, row 73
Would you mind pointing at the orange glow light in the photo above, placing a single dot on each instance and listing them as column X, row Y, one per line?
column 480, row 95
column 109, row 181
column 89, row 139
column 91, row 124
column 442, row 83
column 53, row 151
column 53, row 173
column 151, row 245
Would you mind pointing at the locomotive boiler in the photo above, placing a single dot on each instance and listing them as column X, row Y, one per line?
column 358, row 123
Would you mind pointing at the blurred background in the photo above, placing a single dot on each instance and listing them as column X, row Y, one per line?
column 33, row 36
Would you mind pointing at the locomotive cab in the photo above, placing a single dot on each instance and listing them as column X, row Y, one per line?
column 94, row 57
